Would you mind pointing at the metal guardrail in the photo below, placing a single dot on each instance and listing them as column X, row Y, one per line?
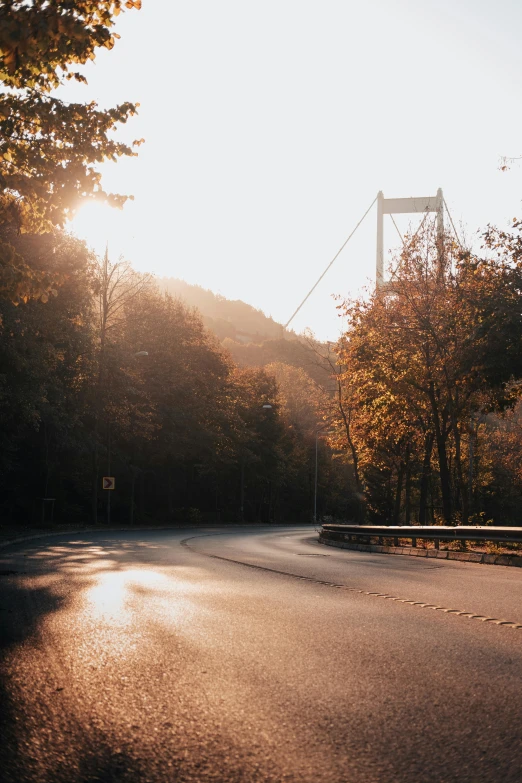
column 364, row 533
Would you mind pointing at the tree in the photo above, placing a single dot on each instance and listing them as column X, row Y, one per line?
column 187, row 388
column 429, row 356
column 109, row 371
column 118, row 287
column 340, row 402
column 496, row 471
column 50, row 150
column 46, row 363
column 309, row 412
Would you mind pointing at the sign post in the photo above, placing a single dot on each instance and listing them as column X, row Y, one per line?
column 108, row 482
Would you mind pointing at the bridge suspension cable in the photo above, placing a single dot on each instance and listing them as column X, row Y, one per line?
column 453, row 225
column 391, row 206
column 330, row 264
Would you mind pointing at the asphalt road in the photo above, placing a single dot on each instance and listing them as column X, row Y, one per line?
column 255, row 655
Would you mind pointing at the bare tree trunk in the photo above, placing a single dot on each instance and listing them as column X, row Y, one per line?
column 346, row 417
column 432, row 498
column 133, row 487
column 95, row 471
column 347, row 422
column 407, row 500
column 425, row 477
column 389, row 499
column 471, row 460
column 141, row 496
column 47, row 465
column 444, row 472
column 170, row 502
column 398, row 494
column 461, row 483
column 334, row 370
column 118, row 286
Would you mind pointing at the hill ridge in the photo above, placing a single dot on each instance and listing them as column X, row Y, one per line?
column 227, row 318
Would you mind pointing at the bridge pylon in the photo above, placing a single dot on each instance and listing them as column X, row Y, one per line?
column 396, row 206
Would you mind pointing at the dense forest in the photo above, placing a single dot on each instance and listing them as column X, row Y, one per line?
column 111, row 377
column 415, row 411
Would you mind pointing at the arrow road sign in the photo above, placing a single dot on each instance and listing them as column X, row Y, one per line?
column 108, row 482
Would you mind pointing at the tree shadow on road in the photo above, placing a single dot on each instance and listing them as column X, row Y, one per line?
column 38, row 583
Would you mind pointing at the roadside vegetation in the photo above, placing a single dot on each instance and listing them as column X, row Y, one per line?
column 111, row 377
column 430, row 368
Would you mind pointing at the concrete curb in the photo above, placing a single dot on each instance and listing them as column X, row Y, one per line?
column 442, row 554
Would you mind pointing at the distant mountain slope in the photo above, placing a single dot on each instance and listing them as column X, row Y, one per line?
column 226, row 317
column 252, row 339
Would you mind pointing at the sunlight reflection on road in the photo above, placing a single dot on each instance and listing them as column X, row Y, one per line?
column 142, row 597
column 117, row 595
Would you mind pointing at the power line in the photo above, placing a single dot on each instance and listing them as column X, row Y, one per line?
column 330, row 264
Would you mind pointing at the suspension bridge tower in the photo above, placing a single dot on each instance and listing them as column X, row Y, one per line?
column 392, row 206
column 397, row 206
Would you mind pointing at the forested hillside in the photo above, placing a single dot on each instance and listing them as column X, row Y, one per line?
column 225, row 317
column 251, row 338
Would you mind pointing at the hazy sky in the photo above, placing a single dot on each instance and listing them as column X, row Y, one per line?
column 271, row 126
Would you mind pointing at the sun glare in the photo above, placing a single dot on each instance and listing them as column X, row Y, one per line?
column 99, row 224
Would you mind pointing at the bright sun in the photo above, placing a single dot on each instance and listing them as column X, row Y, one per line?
column 99, row 224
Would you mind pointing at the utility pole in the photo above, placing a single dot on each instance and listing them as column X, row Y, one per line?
column 315, row 481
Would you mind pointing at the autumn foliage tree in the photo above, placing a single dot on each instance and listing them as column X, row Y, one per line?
column 429, row 355
column 50, row 150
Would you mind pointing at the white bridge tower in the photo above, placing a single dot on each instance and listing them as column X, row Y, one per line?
column 395, row 206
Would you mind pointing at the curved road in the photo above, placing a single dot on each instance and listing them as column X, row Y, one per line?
column 255, row 654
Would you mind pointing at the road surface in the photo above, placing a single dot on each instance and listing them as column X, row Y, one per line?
column 255, row 655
